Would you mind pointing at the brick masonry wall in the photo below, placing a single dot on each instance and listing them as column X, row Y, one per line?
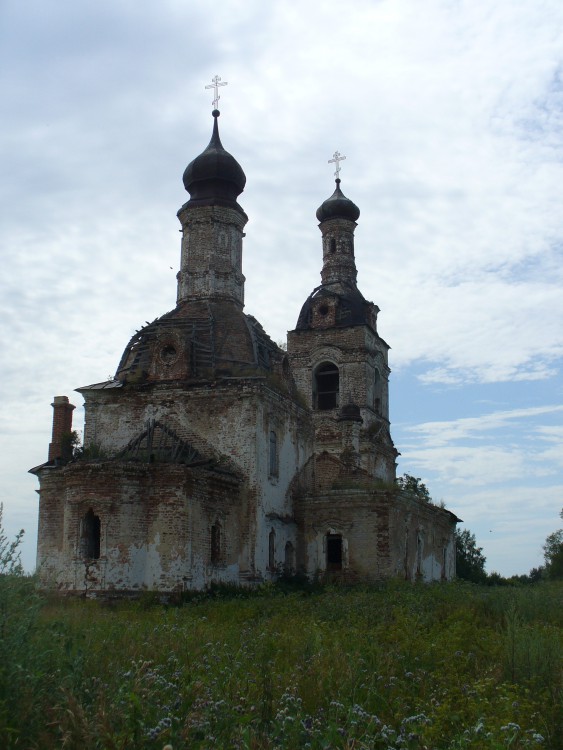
column 151, row 512
column 384, row 534
column 358, row 353
column 211, row 258
column 155, row 526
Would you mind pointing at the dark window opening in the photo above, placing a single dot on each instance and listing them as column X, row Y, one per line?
column 215, row 544
column 168, row 354
column 272, row 550
column 327, row 381
column 323, row 310
column 332, row 245
column 334, row 552
column 90, row 536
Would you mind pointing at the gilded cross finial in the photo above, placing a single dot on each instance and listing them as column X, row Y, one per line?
column 215, row 85
column 337, row 158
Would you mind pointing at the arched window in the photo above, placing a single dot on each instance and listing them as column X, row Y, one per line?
column 326, row 383
column 273, row 465
column 332, row 245
column 334, row 551
column 272, row 550
column 90, row 536
column 216, row 543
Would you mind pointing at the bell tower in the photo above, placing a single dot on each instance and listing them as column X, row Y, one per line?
column 339, row 361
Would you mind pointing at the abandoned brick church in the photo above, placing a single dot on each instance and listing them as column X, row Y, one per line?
column 213, row 455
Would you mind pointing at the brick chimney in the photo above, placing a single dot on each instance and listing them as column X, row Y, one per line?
column 62, row 425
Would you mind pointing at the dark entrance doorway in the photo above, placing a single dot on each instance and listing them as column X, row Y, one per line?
column 334, row 552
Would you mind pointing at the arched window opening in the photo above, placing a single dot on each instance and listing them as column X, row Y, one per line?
column 326, row 386
column 289, row 560
column 216, row 543
column 332, row 245
column 272, row 550
column 90, row 536
column 334, row 551
column 273, row 464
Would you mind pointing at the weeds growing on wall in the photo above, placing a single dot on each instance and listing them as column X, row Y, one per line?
column 399, row 666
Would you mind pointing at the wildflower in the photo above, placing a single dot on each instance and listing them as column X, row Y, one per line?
column 511, row 727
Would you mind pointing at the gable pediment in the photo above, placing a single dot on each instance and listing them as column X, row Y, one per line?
column 157, row 443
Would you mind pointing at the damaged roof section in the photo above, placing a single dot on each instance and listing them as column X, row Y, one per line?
column 159, row 444
column 198, row 340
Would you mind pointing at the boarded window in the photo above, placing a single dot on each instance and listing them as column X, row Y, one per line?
column 272, row 550
column 273, row 468
column 90, row 536
column 326, row 386
column 334, row 552
column 216, row 544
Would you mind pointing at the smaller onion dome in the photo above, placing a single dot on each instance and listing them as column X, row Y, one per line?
column 338, row 206
column 214, row 177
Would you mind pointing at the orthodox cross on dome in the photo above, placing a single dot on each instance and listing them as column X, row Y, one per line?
column 215, row 85
column 335, row 160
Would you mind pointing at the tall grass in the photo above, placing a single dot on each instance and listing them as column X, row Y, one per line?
column 396, row 666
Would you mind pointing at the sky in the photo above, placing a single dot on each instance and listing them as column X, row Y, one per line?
column 450, row 115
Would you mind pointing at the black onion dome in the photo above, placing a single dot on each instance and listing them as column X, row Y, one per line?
column 338, row 206
column 214, row 177
column 350, row 306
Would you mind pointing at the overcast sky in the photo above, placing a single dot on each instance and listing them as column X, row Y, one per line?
column 450, row 115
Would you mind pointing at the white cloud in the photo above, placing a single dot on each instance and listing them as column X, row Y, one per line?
column 444, row 432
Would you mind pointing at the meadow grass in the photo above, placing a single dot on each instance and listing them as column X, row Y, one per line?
column 395, row 666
